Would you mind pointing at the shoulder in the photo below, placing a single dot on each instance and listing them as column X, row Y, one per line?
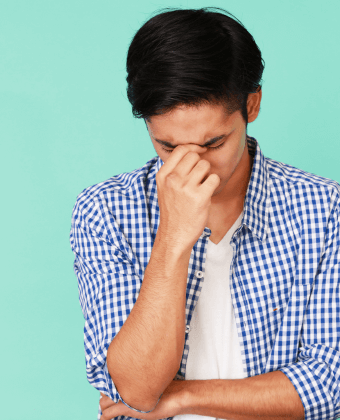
column 305, row 186
column 120, row 187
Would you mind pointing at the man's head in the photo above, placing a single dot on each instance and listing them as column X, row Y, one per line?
column 192, row 57
column 194, row 75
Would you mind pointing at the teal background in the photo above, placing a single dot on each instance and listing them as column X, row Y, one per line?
column 66, row 123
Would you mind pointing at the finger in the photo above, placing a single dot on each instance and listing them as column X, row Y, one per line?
column 187, row 164
column 210, row 184
column 106, row 402
column 177, row 155
column 111, row 412
column 199, row 173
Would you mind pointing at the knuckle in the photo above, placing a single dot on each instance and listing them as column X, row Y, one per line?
column 159, row 176
column 171, row 177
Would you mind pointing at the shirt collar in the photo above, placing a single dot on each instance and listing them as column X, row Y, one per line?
column 257, row 196
column 256, row 201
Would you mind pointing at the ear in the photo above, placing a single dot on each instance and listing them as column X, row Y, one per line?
column 253, row 104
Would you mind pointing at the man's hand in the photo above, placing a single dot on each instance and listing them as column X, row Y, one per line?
column 184, row 189
column 169, row 405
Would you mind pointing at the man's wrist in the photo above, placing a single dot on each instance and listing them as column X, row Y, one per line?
column 185, row 397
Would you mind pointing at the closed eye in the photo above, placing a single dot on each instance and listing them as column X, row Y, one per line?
column 215, row 148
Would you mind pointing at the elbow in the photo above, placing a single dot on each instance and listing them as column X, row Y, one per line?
column 141, row 399
column 138, row 386
column 135, row 394
column 144, row 396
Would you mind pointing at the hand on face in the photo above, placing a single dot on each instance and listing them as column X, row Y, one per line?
column 184, row 191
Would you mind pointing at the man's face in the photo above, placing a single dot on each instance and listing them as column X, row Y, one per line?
column 198, row 125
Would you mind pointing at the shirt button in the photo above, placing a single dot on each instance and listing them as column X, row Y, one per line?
column 199, row 274
column 187, row 329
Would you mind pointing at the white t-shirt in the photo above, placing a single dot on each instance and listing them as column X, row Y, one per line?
column 214, row 349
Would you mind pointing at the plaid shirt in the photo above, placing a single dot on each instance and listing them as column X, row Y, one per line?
column 284, row 276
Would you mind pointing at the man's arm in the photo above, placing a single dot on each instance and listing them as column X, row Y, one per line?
column 270, row 395
column 145, row 355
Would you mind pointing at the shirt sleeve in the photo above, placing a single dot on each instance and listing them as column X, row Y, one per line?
column 316, row 374
column 108, row 285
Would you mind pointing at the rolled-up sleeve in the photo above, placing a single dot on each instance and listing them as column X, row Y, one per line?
column 316, row 374
column 108, row 285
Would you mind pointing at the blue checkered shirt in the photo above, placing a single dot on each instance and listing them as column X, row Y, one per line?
column 284, row 282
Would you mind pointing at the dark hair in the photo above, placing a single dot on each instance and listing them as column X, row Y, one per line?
column 190, row 57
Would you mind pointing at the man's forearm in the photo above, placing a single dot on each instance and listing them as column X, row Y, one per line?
column 145, row 355
column 271, row 396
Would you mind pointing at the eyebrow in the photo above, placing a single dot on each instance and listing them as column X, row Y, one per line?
column 208, row 143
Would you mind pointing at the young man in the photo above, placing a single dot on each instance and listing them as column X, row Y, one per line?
column 209, row 277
